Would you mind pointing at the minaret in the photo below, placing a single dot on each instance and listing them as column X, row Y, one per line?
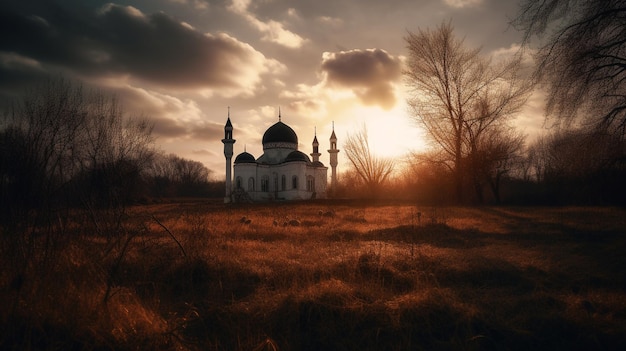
column 228, row 153
column 316, row 152
column 333, row 151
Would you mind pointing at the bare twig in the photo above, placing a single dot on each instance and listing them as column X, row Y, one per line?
column 172, row 235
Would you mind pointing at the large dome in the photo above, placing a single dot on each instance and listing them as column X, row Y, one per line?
column 280, row 133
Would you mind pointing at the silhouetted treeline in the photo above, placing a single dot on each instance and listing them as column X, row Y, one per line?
column 63, row 147
column 578, row 166
column 174, row 176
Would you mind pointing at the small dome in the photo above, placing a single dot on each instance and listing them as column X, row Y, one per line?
column 280, row 133
column 297, row 156
column 245, row 157
column 317, row 164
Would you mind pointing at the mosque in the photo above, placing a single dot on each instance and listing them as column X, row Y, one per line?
column 282, row 172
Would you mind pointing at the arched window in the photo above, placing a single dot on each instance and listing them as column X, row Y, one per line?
column 283, row 182
column 294, row 182
column 310, row 183
column 251, row 184
column 265, row 183
column 238, row 183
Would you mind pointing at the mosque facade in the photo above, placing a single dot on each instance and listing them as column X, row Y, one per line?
column 282, row 172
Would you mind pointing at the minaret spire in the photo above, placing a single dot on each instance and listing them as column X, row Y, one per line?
column 279, row 118
column 333, row 151
column 228, row 154
column 316, row 153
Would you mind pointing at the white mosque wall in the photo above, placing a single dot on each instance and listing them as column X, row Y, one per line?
column 286, row 181
column 321, row 179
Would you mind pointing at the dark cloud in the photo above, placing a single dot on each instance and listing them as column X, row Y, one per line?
column 202, row 131
column 208, row 131
column 206, row 152
column 173, row 117
column 119, row 40
column 18, row 74
column 369, row 73
column 168, row 128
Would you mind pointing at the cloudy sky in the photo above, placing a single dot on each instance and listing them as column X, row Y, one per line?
column 183, row 62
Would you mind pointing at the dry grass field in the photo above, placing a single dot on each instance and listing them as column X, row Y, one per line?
column 200, row 275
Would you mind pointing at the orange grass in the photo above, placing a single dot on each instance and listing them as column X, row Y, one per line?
column 349, row 276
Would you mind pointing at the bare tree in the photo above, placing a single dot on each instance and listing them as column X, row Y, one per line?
column 351, row 184
column 579, row 153
column 373, row 170
column 582, row 61
column 579, row 165
column 60, row 150
column 190, row 172
column 458, row 95
column 171, row 174
column 427, row 177
column 498, row 153
column 537, row 157
column 113, row 152
column 64, row 137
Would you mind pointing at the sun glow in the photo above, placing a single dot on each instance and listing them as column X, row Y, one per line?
column 391, row 133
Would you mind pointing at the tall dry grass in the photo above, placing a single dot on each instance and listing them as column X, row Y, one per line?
column 332, row 276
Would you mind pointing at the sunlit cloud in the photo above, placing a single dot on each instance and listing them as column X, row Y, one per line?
column 312, row 100
column 332, row 21
column 309, row 107
column 265, row 112
column 12, row 60
column 512, row 51
column 273, row 31
column 196, row 4
column 291, row 12
column 462, row 3
column 370, row 74
column 532, row 120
